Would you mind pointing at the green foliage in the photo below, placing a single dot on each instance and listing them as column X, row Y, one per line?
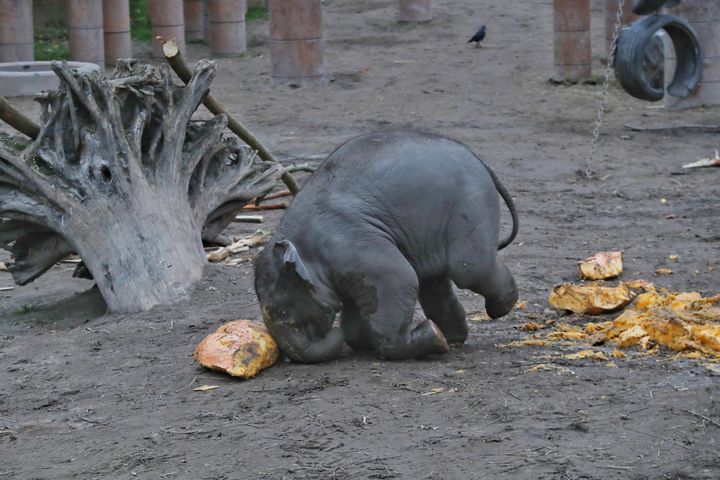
column 140, row 21
column 51, row 43
column 26, row 308
column 256, row 13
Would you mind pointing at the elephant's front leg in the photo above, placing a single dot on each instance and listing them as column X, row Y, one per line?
column 355, row 328
column 385, row 291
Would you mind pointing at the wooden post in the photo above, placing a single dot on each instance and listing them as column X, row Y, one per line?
column 85, row 25
column 415, row 11
column 116, row 21
column 206, row 21
column 572, row 39
column 227, row 27
column 704, row 17
column 296, row 43
column 194, row 20
column 168, row 20
column 611, row 7
column 16, row 31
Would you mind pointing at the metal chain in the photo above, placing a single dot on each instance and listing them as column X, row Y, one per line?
column 600, row 112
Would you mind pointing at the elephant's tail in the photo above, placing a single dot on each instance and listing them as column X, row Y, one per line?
column 503, row 191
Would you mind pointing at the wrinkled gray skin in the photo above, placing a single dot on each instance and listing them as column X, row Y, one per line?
column 386, row 219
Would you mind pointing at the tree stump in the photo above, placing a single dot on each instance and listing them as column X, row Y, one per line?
column 122, row 176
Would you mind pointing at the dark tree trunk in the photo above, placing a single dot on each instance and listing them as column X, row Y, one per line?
column 120, row 175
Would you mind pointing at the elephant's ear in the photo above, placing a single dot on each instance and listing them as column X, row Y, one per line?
column 291, row 257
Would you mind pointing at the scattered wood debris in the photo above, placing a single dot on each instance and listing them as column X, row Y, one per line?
column 601, row 266
column 663, row 271
column 705, row 162
column 206, row 388
column 249, row 219
column 243, row 245
column 241, row 348
column 269, row 206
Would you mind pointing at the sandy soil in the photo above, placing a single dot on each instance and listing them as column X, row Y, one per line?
column 85, row 395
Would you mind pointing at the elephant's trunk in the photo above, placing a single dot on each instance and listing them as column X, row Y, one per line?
column 297, row 345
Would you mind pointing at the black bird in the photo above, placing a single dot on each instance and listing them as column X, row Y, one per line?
column 478, row 37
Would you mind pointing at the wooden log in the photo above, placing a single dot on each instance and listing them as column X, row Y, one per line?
column 194, row 28
column 16, row 31
column 167, row 18
column 116, row 23
column 415, row 11
column 85, row 29
column 296, row 42
column 704, row 17
column 627, row 16
column 571, row 24
column 227, row 27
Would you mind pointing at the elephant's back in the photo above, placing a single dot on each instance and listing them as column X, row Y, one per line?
column 394, row 163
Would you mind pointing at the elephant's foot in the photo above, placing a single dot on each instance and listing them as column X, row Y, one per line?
column 499, row 305
column 425, row 339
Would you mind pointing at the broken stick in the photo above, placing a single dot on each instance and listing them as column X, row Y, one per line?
column 177, row 63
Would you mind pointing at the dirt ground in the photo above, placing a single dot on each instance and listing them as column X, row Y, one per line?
column 87, row 395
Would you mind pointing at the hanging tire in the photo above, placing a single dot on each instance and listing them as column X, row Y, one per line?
column 646, row 7
column 635, row 67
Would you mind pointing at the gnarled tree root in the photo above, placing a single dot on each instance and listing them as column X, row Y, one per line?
column 120, row 175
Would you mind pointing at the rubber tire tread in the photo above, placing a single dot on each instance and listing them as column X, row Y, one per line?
column 633, row 42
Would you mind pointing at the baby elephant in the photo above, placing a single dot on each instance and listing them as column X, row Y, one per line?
column 386, row 219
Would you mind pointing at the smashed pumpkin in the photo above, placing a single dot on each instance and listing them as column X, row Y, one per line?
column 590, row 299
column 601, row 266
column 241, row 348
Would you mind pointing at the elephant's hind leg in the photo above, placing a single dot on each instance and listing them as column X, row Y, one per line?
column 494, row 282
column 442, row 307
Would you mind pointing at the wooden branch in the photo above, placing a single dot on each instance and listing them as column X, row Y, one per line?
column 273, row 196
column 177, row 62
column 666, row 128
column 17, row 120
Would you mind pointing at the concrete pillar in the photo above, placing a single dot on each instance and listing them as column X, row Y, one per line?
column 193, row 14
column 85, row 28
column 227, row 27
column 572, row 39
column 704, row 17
column 415, row 11
column 296, row 43
column 116, row 21
column 611, row 8
column 16, row 31
column 167, row 19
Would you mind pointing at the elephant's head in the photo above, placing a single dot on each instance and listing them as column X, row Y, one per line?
column 291, row 307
